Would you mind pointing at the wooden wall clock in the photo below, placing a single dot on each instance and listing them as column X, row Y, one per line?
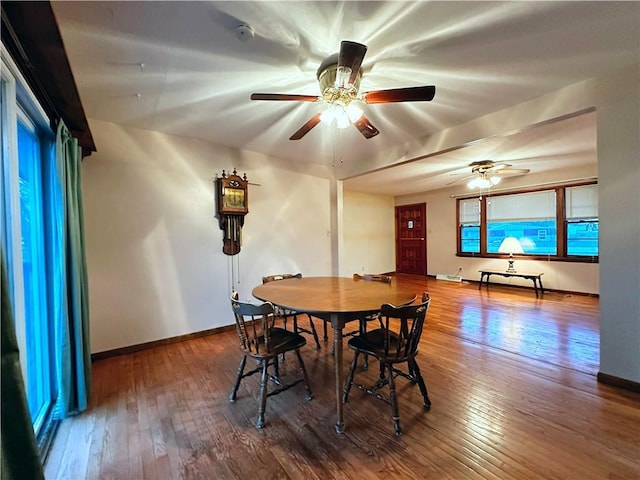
column 232, row 205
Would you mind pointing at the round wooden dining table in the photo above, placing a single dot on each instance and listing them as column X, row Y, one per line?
column 338, row 300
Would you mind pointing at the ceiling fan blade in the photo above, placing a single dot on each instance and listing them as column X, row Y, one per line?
column 409, row 94
column 366, row 129
column 511, row 171
column 313, row 121
column 285, row 96
column 497, row 167
column 351, row 56
column 458, row 180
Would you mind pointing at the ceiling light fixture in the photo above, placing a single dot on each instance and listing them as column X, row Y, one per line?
column 339, row 78
column 483, row 180
column 341, row 114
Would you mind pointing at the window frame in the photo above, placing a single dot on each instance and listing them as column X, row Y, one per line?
column 20, row 105
column 561, row 226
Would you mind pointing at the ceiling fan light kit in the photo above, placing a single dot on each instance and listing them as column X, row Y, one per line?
column 483, row 181
column 343, row 116
column 339, row 78
column 487, row 173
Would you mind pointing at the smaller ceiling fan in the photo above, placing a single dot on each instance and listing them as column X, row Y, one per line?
column 487, row 173
column 339, row 77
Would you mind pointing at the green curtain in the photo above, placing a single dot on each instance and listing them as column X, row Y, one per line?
column 20, row 458
column 73, row 352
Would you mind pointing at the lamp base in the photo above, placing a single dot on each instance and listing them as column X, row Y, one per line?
column 510, row 269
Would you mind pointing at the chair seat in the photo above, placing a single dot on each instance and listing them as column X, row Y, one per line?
column 372, row 343
column 282, row 340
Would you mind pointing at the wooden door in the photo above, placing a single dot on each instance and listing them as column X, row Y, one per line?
column 411, row 242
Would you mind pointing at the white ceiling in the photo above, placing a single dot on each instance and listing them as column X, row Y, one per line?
column 179, row 68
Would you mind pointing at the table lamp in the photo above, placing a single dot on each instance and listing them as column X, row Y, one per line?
column 510, row 245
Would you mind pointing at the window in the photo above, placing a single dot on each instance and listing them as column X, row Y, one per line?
column 559, row 223
column 469, row 225
column 27, row 142
column 37, row 330
column 529, row 217
column 582, row 220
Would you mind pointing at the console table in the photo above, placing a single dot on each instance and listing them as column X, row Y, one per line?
column 534, row 277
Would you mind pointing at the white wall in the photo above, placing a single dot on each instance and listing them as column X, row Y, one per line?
column 441, row 240
column 154, row 253
column 368, row 234
column 618, row 100
column 154, row 248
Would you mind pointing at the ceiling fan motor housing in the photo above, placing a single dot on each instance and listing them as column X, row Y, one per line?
column 482, row 166
column 327, row 80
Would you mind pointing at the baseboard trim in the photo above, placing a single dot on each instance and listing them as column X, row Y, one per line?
column 618, row 382
column 156, row 343
column 527, row 287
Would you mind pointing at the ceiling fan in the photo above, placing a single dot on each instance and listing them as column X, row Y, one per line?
column 339, row 78
column 487, row 173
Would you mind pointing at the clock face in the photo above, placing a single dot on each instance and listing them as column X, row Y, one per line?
column 233, row 198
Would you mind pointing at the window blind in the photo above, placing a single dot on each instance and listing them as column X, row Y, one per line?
column 582, row 202
column 522, row 206
column 470, row 211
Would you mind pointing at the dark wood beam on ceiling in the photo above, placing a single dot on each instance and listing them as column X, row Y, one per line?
column 31, row 35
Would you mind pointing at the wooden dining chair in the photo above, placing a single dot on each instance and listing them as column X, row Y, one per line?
column 362, row 321
column 394, row 343
column 263, row 342
column 284, row 314
column 371, row 277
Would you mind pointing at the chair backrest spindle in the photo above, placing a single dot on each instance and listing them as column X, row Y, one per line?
column 253, row 324
column 403, row 343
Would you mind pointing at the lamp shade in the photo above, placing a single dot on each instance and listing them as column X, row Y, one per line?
column 510, row 245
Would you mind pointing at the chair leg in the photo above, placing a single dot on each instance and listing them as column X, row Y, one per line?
column 324, row 328
column 280, row 315
column 276, row 370
column 313, row 331
column 349, row 380
column 262, row 405
column 236, row 384
column 420, row 381
column 382, row 368
column 303, row 370
column 394, row 403
column 412, row 373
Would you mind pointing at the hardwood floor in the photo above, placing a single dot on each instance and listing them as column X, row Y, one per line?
column 511, row 378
